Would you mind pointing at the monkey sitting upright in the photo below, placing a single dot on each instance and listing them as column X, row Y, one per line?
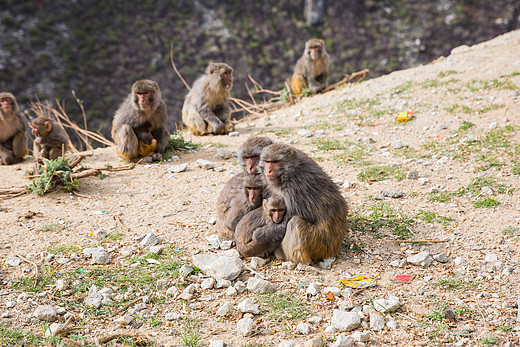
column 141, row 115
column 232, row 203
column 13, row 136
column 206, row 107
column 261, row 231
column 312, row 69
column 51, row 139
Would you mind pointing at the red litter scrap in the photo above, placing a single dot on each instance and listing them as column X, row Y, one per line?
column 403, row 278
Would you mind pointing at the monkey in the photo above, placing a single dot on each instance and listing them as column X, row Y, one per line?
column 311, row 70
column 141, row 116
column 13, row 134
column 260, row 232
column 206, row 107
column 233, row 205
column 316, row 212
column 146, row 143
column 51, row 139
column 248, row 156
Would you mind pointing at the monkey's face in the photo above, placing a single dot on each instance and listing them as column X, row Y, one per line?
column 6, row 104
column 251, row 163
column 254, row 195
column 277, row 214
column 41, row 128
column 227, row 78
column 144, row 99
column 314, row 52
column 272, row 169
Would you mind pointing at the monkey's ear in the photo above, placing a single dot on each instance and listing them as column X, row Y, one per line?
column 47, row 125
column 211, row 68
column 264, row 204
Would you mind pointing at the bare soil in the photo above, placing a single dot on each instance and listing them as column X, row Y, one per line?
column 478, row 84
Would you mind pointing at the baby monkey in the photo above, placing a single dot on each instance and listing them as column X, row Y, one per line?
column 51, row 139
column 261, row 231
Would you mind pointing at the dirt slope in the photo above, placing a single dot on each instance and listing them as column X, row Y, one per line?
column 478, row 84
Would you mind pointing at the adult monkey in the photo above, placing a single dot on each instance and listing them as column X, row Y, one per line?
column 316, row 211
column 141, row 115
column 13, row 135
column 51, row 139
column 230, row 203
column 206, row 107
column 260, row 232
column 312, row 69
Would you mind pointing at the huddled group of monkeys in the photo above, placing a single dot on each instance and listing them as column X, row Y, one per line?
column 282, row 203
column 139, row 127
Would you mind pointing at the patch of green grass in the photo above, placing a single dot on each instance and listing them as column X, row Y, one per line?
column 435, row 316
column 177, row 143
column 277, row 132
column 62, row 249
column 11, row 336
column 489, row 341
column 455, row 283
column 190, row 336
column 380, row 217
column 283, row 306
column 488, row 202
column 465, row 126
column 53, row 174
column 462, row 108
column 505, row 328
column 33, row 285
column 353, row 153
column 433, row 217
column 381, row 172
column 512, row 232
column 363, row 109
column 435, row 83
column 488, row 161
column 53, row 227
column 516, row 73
column 217, row 145
column 117, row 236
column 440, row 197
column 476, row 185
column 403, row 88
column 443, row 74
column 476, row 85
column 329, row 144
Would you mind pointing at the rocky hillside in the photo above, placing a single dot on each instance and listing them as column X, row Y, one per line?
column 98, row 49
column 434, row 200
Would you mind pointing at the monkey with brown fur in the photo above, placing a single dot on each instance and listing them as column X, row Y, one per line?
column 206, row 107
column 312, row 69
column 230, row 203
column 142, row 113
column 233, row 205
column 261, row 231
column 316, row 212
column 13, row 135
column 51, row 139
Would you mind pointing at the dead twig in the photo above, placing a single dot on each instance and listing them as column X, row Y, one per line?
column 357, row 76
column 141, row 338
column 120, row 223
column 37, row 274
column 127, row 306
column 175, row 68
column 182, row 224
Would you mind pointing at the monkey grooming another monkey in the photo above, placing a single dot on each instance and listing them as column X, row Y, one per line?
column 316, row 212
column 13, row 136
column 312, row 69
column 141, row 115
column 261, row 231
column 230, row 203
column 51, row 139
column 206, row 107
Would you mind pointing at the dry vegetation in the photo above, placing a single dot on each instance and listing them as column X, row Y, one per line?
column 463, row 144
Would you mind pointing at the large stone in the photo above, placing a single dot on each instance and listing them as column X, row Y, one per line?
column 377, row 321
column 150, row 240
column 386, row 305
column 421, row 259
column 100, row 256
column 225, row 309
column 247, row 306
column 13, row 261
column 46, row 313
column 219, row 266
column 259, row 285
column 345, row 321
column 342, row 341
column 245, row 326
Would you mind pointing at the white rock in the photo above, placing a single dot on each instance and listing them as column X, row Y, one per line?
column 245, row 326
column 246, row 306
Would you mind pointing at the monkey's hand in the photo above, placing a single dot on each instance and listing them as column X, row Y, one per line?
column 157, row 157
